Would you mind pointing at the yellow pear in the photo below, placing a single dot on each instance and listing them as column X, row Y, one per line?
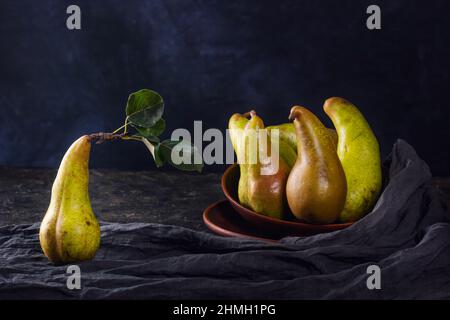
column 69, row 231
column 262, row 183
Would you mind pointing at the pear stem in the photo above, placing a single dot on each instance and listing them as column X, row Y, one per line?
column 101, row 137
column 250, row 113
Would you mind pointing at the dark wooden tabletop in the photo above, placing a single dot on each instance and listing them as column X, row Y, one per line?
column 176, row 198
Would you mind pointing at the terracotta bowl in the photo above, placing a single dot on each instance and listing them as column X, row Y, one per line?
column 290, row 227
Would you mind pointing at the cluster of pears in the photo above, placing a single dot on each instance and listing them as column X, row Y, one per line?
column 322, row 175
column 70, row 231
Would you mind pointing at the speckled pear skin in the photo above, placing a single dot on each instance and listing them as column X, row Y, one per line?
column 264, row 194
column 316, row 187
column 359, row 153
column 70, row 231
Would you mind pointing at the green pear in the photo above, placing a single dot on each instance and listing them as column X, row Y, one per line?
column 359, row 153
column 236, row 126
column 288, row 134
column 69, row 231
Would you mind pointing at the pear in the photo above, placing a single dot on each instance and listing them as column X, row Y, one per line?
column 69, row 231
column 359, row 153
column 262, row 182
column 236, row 126
column 289, row 136
column 316, row 188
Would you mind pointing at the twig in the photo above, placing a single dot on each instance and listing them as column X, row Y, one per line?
column 101, row 137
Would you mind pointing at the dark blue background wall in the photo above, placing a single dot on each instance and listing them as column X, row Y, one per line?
column 210, row 58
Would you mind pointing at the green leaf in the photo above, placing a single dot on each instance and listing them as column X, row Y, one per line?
column 144, row 108
column 158, row 160
column 153, row 140
column 164, row 151
column 153, row 150
column 154, row 131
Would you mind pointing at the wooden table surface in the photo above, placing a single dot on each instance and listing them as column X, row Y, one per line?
column 176, row 198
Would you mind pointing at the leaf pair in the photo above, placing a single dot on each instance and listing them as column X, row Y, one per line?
column 144, row 112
